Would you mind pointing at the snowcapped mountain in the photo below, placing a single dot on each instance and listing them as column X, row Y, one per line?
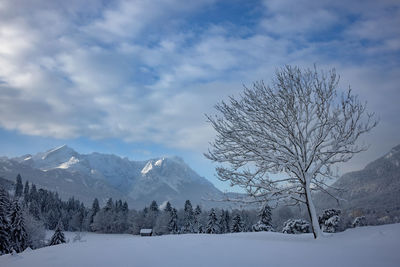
column 171, row 179
column 87, row 176
column 117, row 172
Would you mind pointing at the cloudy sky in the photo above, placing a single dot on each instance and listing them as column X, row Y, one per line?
column 135, row 78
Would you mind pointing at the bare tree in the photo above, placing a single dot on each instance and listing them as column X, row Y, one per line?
column 299, row 126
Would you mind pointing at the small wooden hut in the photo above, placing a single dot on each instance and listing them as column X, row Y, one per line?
column 146, row 232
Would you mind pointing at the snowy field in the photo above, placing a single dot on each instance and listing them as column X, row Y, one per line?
column 365, row 246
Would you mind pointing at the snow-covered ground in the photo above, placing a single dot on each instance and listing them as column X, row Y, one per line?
column 365, row 246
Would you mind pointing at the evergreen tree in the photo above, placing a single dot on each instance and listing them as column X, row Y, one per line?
column 247, row 223
column 168, row 207
column 95, row 209
column 296, row 226
column 121, row 218
column 18, row 187
column 154, row 207
column 76, row 220
column 221, row 223
column 95, row 206
column 145, row 211
column 212, row 224
column 359, row 221
column 329, row 220
column 34, row 209
column 33, row 195
column 265, row 221
column 227, row 222
column 53, row 216
column 173, row 225
column 58, row 237
column 125, row 208
column 197, row 210
column 109, row 205
column 19, row 238
column 237, row 225
column 103, row 222
column 5, row 244
column 118, row 205
column 188, row 217
column 162, row 223
column 152, row 214
column 26, row 192
column 265, row 214
column 198, row 228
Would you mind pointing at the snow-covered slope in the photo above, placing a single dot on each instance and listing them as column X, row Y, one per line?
column 171, row 179
column 140, row 182
column 116, row 171
column 366, row 246
column 67, row 184
column 376, row 187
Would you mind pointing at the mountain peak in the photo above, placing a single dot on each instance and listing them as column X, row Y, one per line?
column 64, row 149
column 148, row 167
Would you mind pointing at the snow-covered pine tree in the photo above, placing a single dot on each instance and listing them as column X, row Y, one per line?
column 265, row 221
column 33, row 194
column 197, row 210
column 188, row 218
column 18, row 235
column 221, row 223
column 18, row 187
column 237, row 225
column 5, row 244
column 35, row 210
column 26, row 192
column 95, row 206
column 53, row 216
column 359, row 221
column 118, row 205
column 168, row 207
column 198, row 227
column 76, row 221
column 162, row 224
column 212, row 224
column 152, row 214
column 109, row 205
column 227, row 222
column 95, row 210
column 125, row 207
column 329, row 220
column 58, row 237
column 173, row 225
column 296, row 226
column 153, row 206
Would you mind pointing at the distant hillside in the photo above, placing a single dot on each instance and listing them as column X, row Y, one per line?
column 374, row 189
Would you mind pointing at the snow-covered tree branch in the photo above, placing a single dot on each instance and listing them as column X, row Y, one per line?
column 299, row 126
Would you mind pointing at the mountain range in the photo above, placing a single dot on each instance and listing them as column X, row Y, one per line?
column 96, row 175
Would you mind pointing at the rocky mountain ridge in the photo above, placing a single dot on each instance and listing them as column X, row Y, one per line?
column 87, row 176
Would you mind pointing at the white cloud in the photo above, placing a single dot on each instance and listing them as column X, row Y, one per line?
column 135, row 70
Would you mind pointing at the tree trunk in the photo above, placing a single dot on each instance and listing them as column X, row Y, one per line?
column 312, row 213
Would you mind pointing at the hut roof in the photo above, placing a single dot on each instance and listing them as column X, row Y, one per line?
column 146, row 231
